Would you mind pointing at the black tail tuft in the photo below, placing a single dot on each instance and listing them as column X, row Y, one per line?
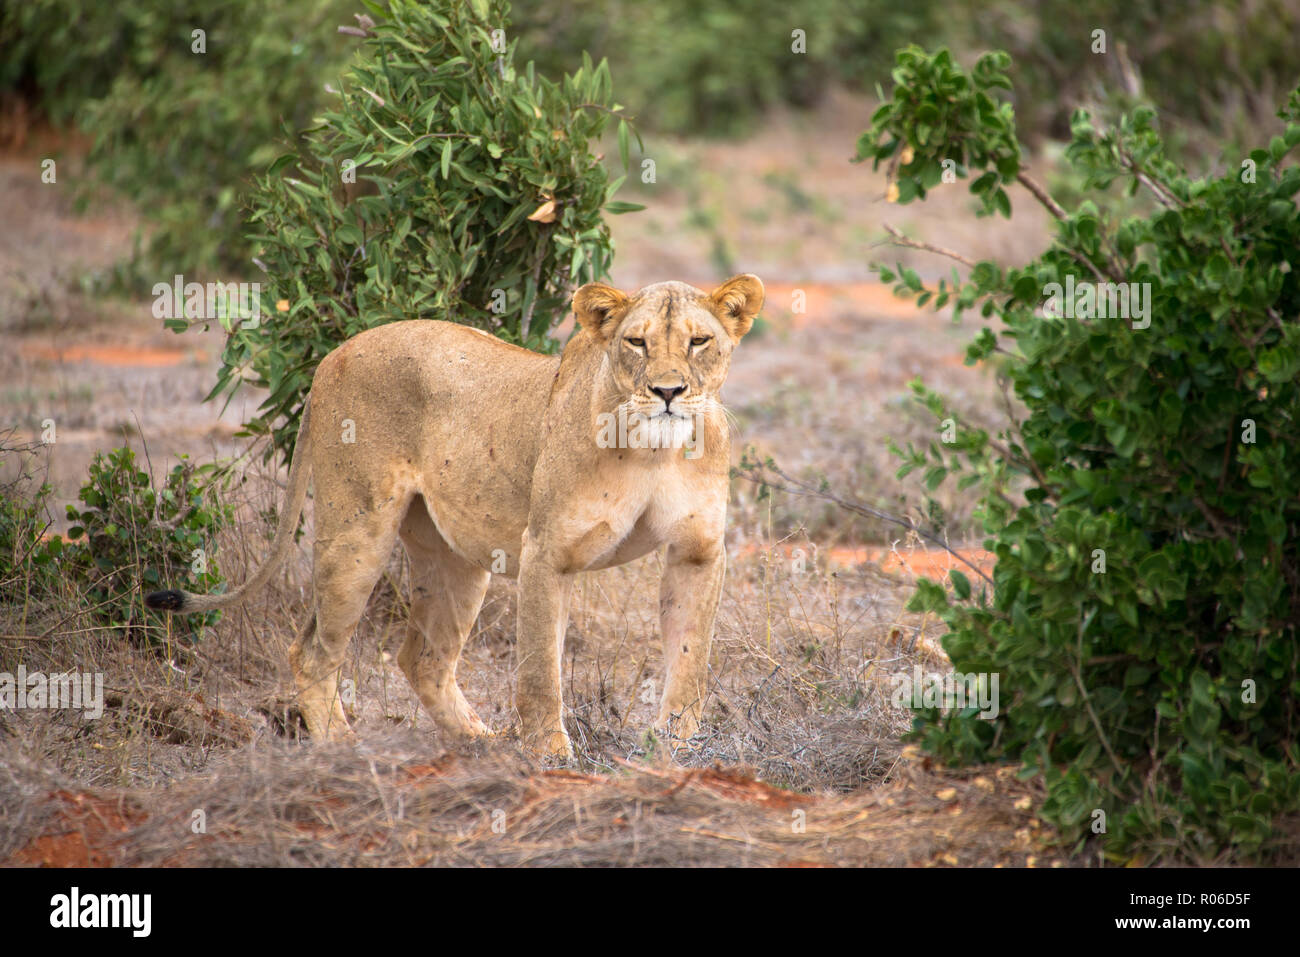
column 169, row 600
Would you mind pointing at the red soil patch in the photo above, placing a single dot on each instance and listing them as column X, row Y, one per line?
column 919, row 563
column 732, row 785
column 928, row 563
column 86, row 832
column 120, row 356
column 413, row 773
column 823, row 302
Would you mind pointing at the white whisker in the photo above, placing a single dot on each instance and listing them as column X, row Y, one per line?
column 733, row 423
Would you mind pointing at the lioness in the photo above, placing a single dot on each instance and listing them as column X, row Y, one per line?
column 482, row 456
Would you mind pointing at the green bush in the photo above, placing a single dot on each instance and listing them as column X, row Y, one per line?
column 28, row 569
column 27, row 557
column 61, row 53
column 1200, row 61
column 1141, row 503
column 124, row 533
column 179, row 132
column 477, row 199
column 708, row 68
column 127, row 533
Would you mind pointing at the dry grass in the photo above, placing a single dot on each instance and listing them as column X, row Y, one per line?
column 387, row 802
column 799, row 669
column 800, row 701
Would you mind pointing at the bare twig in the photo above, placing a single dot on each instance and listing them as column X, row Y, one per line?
column 1040, row 194
column 805, row 490
column 1087, row 702
column 901, row 240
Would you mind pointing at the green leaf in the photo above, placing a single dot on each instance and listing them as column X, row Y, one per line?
column 281, row 161
column 960, row 583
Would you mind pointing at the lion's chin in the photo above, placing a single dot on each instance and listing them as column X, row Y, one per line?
column 639, row 430
column 671, row 431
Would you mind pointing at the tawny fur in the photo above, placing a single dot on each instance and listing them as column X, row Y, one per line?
column 482, row 456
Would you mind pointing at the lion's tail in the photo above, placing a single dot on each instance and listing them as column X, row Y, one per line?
column 299, row 472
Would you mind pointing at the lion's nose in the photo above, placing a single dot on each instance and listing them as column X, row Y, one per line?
column 668, row 393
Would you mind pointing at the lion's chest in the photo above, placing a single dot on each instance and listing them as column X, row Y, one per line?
column 642, row 510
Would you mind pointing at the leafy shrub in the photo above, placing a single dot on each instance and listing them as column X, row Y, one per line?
column 27, row 569
column 1201, row 61
column 127, row 532
column 60, row 53
column 179, row 132
column 690, row 67
column 959, row 126
column 27, row 556
column 477, row 199
column 1141, row 505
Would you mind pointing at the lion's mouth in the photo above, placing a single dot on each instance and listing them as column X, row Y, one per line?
column 654, row 429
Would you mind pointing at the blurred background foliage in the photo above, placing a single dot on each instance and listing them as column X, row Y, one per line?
column 183, row 134
column 711, row 69
column 179, row 133
column 1215, row 69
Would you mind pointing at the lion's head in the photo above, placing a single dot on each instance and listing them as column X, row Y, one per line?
column 668, row 349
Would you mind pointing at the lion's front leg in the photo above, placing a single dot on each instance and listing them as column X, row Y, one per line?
column 543, row 618
column 688, row 602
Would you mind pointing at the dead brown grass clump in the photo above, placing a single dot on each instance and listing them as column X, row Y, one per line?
column 387, row 804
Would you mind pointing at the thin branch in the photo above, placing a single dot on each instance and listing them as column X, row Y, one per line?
column 1040, row 194
column 805, row 490
column 1079, row 257
column 1163, row 196
column 901, row 240
column 1005, row 451
column 1276, row 321
column 1087, row 703
column 1161, row 192
column 1110, row 659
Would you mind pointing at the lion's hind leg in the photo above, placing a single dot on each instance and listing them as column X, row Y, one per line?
column 348, row 562
column 446, row 594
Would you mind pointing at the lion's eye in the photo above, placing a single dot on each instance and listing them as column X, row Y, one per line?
column 700, row 340
column 637, row 343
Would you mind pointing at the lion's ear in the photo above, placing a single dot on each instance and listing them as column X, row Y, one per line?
column 596, row 307
column 736, row 302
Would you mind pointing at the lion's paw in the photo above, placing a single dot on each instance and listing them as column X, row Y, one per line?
column 554, row 745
